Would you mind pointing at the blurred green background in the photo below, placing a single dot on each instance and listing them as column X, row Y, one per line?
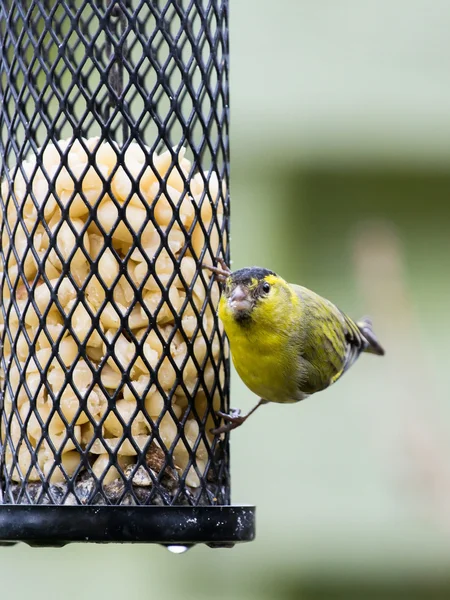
column 340, row 181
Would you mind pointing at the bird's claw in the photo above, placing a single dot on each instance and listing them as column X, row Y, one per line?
column 221, row 272
column 233, row 420
column 234, row 414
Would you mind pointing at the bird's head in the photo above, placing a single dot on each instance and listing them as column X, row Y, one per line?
column 253, row 294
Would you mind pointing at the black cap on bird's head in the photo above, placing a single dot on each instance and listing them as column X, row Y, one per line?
column 250, row 273
column 243, row 289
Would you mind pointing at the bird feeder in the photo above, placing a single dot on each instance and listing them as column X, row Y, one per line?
column 114, row 194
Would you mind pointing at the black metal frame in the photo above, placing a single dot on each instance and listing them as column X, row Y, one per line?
column 130, row 72
column 217, row 526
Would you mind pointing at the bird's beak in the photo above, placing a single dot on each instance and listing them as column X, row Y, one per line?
column 239, row 300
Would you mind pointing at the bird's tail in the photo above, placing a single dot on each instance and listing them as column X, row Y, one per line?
column 373, row 346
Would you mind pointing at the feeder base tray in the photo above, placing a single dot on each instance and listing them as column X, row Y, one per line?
column 217, row 526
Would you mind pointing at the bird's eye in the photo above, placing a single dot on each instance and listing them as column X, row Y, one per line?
column 266, row 287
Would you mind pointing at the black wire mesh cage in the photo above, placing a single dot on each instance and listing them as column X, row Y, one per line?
column 114, row 193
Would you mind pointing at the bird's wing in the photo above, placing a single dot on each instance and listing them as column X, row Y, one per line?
column 330, row 342
column 355, row 343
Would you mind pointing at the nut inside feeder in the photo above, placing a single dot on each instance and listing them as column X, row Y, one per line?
column 113, row 168
column 112, row 345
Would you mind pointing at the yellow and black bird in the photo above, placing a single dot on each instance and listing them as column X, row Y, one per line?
column 286, row 341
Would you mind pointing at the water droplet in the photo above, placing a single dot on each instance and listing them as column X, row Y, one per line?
column 177, row 549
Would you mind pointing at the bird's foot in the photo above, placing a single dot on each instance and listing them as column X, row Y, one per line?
column 221, row 273
column 235, row 419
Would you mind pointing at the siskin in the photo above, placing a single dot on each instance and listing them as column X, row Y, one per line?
column 286, row 341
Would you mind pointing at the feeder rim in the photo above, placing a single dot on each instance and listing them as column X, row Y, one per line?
column 218, row 526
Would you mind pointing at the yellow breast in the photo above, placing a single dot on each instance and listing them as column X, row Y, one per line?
column 263, row 358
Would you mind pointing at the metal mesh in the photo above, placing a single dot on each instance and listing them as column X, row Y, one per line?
column 114, row 169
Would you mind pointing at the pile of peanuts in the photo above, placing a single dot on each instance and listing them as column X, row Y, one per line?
column 125, row 249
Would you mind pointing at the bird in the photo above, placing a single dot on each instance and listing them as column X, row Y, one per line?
column 286, row 341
